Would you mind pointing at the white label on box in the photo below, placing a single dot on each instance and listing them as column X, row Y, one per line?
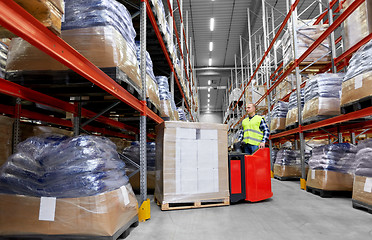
column 312, row 174
column 47, row 208
column 125, row 194
column 186, row 133
column 208, row 134
column 368, row 185
column 358, row 81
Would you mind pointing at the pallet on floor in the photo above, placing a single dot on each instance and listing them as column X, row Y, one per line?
column 357, row 105
column 195, row 204
column 314, row 68
column 362, row 206
column 328, row 193
column 286, row 178
column 121, row 233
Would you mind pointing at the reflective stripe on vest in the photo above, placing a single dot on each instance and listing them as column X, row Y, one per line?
column 251, row 128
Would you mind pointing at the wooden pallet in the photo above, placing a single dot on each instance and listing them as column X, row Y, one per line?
column 286, row 178
column 315, row 119
column 195, row 204
column 291, row 126
column 121, row 233
column 328, row 193
column 362, row 206
column 357, row 105
column 315, row 68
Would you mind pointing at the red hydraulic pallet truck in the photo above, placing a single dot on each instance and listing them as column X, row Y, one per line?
column 250, row 178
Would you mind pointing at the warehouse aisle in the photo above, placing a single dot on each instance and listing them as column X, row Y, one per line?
column 290, row 214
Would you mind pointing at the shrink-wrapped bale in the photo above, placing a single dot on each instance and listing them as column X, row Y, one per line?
column 358, row 79
column 278, row 116
column 48, row 12
column 181, row 114
column 165, row 98
column 292, row 115
column 332, row 167
column 359, row 24
column 322, row 96
column 287, row 164
column 235, row 95
column 3, row 58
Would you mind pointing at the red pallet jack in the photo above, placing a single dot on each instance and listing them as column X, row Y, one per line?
column 250, row 178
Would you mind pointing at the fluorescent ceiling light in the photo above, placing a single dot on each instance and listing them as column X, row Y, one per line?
column 212, row 24
column 209, row 95
column 209, row 82
column 211, row 46
column 210, row 62
column 208, row 104
column 209, row 100
column 209, row 89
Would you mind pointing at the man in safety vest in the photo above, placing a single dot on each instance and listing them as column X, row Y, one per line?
column 255, row 132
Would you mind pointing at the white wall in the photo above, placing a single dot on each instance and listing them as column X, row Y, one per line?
column 211, row 117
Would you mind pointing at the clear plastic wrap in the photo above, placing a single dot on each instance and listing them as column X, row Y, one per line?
column 360, row 62
column 181, row 114
column 48, row 12
column 329, row 180
column 58, row 166
column 6, row 138
column 3, row 58
column 292, row 115
column 359, row 24
column 235, row 95
column 191, row 162
column 133, row 153
column 165, row 98
column 278, row 116
column 100, row 215
column 322, row 95
column 86, row 14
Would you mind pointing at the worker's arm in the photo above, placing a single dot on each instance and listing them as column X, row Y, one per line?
column 241, row 135
column 266, row 132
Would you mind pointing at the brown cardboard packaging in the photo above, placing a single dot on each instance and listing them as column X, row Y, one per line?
column 103, row 46
column 277, row 124
column 191, row 162
column 356, row 88
column 120, row 143
column 100, row 215
column 329, row 180
column 287, row 170
column 48, row 12
column 292, row 117
column 320, row 106
column 152, row 91
column 6, row 138
column 28, row 130
column 359, row 192
column 135, row 180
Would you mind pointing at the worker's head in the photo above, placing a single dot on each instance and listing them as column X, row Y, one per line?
column 251, row 109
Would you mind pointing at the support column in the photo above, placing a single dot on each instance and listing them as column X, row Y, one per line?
column 17, row 118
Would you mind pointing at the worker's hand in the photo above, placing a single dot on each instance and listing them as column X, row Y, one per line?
column 262, row 145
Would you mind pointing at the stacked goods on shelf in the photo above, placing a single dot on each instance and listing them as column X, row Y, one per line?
column 102, row 31
column 274, row 152
column 152, row 90
column 120, row 143
column 287, row 164
column 307, row 34
column 133, row 153
column 27, row 130
column 48, row 12
column 253, row 94
column 163, row 24
column 3, row 58
column 292, row 115
column 278, row 116
column 165, row 98
column 359, row 24
column 181, row 114
column 332, row 167
column 57, row 185
column 174, row 109
column 6, row 138
column 178, row 68
column 191, row 164
column 362, row 187
column 358, row 78
column 322, row 97
column 235, row 95
column 284, row 87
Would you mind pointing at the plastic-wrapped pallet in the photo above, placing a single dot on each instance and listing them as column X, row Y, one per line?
column 359, row 24
column 278, row 116
column 307, row 34
column 235, row 95
column 48, row 12
column 292, row 115
column 165, row 98
column 332, row 167
column 287, row 164
column 152, row 90
column 322, row 97
column 100, row 30
column 83, row 177
column 3, row 58
column 362, row 188
column 181, row 114
column 358, row 78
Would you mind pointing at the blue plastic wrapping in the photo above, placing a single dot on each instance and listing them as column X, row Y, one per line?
column 83, row 14
column 149, row 64
column 57, row 166
column 280, row 110
column 335, row 157
column 287, row 157
column 292, row 103
column 326, row 85
column 360, row 62
column 163, row 86
column 364, row 158
column 133, row 153
column 181, row 114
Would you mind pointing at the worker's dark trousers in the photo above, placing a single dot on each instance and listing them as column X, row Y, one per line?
column 249, row 148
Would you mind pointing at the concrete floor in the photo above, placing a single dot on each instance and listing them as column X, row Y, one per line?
column 291, row 214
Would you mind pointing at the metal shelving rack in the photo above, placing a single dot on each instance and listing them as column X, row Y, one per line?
column 273, row 72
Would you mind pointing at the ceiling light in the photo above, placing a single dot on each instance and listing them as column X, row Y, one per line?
column 212, row 24
column 207, row 109
column 208, row 104
column 210, row 62
column 209, row 95
column 209, row 100
column 209, row 89
column 209, row 82
column 211, row 46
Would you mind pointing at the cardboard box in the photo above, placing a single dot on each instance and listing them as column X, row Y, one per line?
column 6, row 138
column 362, row 189
column 135, row 181
column 191, row 162
column 287, row 171
column 320, row 106
column 48, row 12
column 356, row 88
column 100, row 215
column 277, row 124
column 292, row 117
column 329, row 180
column 28, row 130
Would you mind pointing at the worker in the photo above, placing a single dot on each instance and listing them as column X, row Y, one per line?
column 255, row 132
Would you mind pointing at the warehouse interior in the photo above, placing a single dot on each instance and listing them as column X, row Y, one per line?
column 128, row 119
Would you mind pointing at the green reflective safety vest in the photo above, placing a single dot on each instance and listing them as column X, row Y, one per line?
column 252, row 133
